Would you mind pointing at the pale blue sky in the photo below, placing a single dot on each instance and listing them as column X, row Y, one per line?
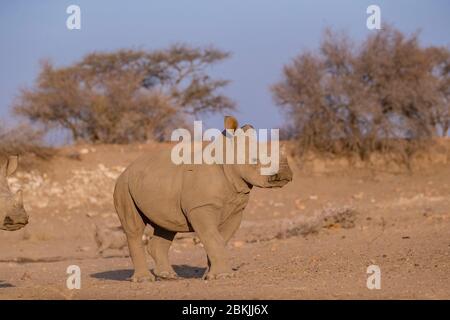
column 263, row 35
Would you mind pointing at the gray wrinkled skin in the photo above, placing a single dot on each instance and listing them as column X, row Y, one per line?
column 207, row 199
column 12, row 213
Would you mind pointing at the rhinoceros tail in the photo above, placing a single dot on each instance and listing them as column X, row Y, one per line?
column 129, row 215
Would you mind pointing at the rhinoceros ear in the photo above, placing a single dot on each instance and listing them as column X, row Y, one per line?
column 247, row 127
column 230, row 122
column 11, row 165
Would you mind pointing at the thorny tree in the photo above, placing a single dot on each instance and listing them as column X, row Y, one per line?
column 389, row 93
column 127, row 95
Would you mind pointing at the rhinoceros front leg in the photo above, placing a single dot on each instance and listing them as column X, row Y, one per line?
column 228, row 228
column 158, row 248
column 204, row 222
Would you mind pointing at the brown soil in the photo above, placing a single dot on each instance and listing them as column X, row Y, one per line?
column 289, row 246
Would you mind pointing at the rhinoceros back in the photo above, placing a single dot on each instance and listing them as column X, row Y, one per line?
column 155, row 184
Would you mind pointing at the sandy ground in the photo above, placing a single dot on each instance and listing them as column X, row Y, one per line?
column 401, row 224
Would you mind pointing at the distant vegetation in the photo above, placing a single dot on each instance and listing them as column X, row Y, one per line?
column 23, row 139
column 387, row 94
column 127, row 95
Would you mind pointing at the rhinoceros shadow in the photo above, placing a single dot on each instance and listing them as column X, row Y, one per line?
column 183, row 271
column 4, row 284
column 188, row 272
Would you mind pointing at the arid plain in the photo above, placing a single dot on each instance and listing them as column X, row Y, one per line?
column 312, row 239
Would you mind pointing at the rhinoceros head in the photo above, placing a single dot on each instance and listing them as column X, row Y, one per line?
column 251, row 172
column 12, row 213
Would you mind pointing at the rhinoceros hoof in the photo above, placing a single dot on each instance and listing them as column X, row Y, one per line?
column 165, row 275
column 217, row 276
column 142, row 278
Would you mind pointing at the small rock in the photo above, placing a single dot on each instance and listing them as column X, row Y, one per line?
column 299, row 204
column 238, row 244
column 278, row 204
column 25, row 276
column 358, row 195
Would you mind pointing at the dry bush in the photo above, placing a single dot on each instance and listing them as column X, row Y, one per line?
column 387, row 95
column 127, row 95
column 440, row 113
column 328, row 217
column 22, row 140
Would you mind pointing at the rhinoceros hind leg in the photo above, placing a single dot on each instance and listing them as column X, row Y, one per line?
column 133, row 225
column 137, row 253
column 158, row 247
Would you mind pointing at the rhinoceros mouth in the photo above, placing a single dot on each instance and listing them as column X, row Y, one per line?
column 277, row 181
column 13, row 227
column 9, row 225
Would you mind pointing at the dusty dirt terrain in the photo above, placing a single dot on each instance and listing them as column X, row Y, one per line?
column 313, row 239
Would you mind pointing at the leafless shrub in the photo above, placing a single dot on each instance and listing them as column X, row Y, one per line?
column 74, row 155
column 343, row 217
column 328, row 217
column 440, row 113
column 23, row 140
column 387, row 95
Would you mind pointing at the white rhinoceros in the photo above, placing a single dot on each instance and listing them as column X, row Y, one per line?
column 206, row 198
column 12, row 214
